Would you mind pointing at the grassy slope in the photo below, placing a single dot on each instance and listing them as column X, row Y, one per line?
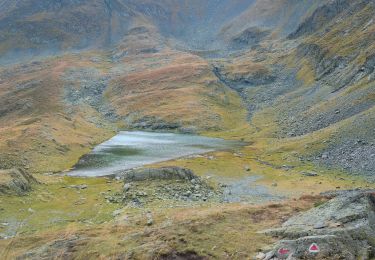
column 175, row 87
column 208, row 229
column 44, row 131
column 51, row 133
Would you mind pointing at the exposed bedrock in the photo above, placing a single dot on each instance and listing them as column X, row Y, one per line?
column 16, row 181
column 164, row 173
column 342, row 228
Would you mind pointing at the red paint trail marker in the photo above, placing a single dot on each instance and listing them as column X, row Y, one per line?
column 314, row 248
column 283, row 251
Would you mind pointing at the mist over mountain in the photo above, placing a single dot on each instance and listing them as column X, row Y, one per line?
column 42, row 27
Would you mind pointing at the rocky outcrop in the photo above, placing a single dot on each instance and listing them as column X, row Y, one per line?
column 90, row 91
column 336, row 71
column 342, row 228
column 144, row 186
column 164, row 173
column 155, row 124
column 321, row 16
column 16, row 181
column 324, row 14
column 250, row 37
column 259, row 88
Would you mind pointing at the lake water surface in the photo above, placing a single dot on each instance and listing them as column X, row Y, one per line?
column 129, row 150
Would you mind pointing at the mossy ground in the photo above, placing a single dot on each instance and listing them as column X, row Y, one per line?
column 55, row 204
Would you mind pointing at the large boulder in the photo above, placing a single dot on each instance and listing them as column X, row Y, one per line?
column 342, row 228
column 16, row 181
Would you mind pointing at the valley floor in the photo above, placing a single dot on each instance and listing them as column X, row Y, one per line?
column 69, row 217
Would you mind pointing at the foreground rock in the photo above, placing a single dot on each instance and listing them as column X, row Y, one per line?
column 342, row 228
column 16, row 181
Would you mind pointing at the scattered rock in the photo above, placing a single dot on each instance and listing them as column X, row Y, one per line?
column 150, row 220
column 127, row 186
column 117, row 212
column 320, row 225
column 310, row 174
column 287, row 167
column 79, row 187
column 260, row 256
column 81, row 201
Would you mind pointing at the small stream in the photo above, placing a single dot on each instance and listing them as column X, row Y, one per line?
column 129, row 150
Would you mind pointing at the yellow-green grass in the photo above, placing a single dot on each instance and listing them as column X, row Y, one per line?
column 55, row 204
column 226, row 230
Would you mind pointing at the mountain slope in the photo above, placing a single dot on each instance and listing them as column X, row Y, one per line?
column 318, row 84
column 280, row 17
column 32, row 27
column 55, row 110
